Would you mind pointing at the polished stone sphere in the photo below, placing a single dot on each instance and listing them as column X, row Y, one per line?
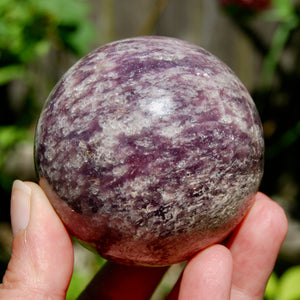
column 150, row 149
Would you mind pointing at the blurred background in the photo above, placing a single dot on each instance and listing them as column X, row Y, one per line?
column 258, row 39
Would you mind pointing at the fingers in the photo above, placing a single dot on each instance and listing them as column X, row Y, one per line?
column 255, row 246
column 240, row 271
column 42, row 258
column 207, row 275
column 42, row 253
column 125, row 283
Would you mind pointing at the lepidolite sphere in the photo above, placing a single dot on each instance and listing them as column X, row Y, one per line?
column 149, row 149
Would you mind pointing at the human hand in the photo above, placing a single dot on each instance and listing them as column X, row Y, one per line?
column 42, row 258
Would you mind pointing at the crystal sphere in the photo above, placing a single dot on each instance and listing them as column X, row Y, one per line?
column 150, row 149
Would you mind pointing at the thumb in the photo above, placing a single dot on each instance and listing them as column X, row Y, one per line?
column 41, row 264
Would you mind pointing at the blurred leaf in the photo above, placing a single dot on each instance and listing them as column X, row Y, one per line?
column 272, row 287
column 72, row 26
column 289, row 287
column 28, row 27
column 64, row 11
column 9, row 135
column 11, row 72
column 77, row 38
column 82, row 277
column 78, row 283
column 280, row 38
column 284, row 13
column 284, row 8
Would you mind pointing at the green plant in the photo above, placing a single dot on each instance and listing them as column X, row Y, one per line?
column 285, row 14
column 28, row 30
column 286, row 287
column 83, row 274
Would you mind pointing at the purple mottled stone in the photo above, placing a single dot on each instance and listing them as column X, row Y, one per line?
column 149, row 149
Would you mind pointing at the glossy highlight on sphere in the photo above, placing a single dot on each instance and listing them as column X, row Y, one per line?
column 149, row 149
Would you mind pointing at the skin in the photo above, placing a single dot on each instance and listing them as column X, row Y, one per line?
column 237, row 269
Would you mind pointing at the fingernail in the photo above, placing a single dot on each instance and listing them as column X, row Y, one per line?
column 20, row 206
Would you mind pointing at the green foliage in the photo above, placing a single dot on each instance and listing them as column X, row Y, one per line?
column 82, row 277
column 69, row 18
column 9, row 137
column 286, row 287
column 283, row 12
column 10, row 72
column 28, row 28
column 271, row 289
column 274, row 34
column 78, row 283
column 283, row 8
